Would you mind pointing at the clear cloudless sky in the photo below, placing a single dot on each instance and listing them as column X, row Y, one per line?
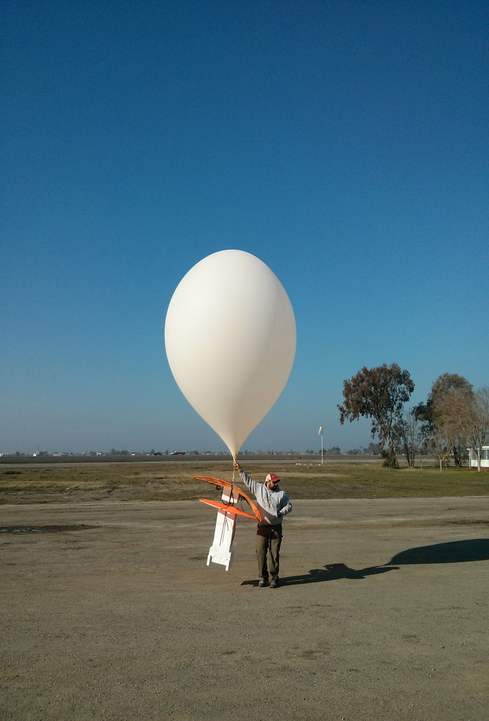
column 343, row 143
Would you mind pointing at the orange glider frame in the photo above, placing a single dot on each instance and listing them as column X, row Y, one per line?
column 231, row 496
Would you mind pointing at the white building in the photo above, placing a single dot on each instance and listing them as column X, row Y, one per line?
column 484, row 458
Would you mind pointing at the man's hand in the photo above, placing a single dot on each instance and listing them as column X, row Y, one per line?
column 236, row 465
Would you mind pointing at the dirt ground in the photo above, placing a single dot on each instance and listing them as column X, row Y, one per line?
column 108, row 611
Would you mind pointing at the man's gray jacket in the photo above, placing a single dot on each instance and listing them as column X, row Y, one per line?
column 273, row 505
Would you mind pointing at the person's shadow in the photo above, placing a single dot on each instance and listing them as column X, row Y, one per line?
column 451, row 552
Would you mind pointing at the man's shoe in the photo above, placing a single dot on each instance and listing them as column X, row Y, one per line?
column 262, row 583
column 274, row 583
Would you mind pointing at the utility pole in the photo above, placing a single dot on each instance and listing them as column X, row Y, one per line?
column 320, row 433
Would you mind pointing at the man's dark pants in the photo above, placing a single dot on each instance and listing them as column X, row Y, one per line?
column 268, row 542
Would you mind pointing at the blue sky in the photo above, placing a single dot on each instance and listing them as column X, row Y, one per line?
column 343, row 143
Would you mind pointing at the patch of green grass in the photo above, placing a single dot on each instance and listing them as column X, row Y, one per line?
column 379, row 482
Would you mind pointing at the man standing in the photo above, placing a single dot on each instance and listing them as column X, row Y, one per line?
column 274, row 504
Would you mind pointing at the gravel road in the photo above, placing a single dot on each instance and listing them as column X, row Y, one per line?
column 108, row 611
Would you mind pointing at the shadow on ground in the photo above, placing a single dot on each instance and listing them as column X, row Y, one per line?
column 331, row 572
column 451, row 552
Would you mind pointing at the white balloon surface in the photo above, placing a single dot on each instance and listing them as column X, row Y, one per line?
column 230, row 338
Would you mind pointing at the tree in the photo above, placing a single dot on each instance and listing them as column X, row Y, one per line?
column 474, row 420
column 411, row 436
column 440, row 415
column 446, row 427
column 379, row 393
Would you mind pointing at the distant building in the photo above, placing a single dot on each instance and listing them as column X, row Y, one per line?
column 484, row 458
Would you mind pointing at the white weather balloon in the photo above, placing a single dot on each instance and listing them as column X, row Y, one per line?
column 230, row 338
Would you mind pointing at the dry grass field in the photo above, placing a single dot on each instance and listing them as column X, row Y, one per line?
column 171, row 480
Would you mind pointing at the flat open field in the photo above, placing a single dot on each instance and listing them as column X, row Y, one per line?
column 171, row 480
column 108, row 610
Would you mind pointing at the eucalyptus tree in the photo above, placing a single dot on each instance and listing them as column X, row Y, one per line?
column 379, row 394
